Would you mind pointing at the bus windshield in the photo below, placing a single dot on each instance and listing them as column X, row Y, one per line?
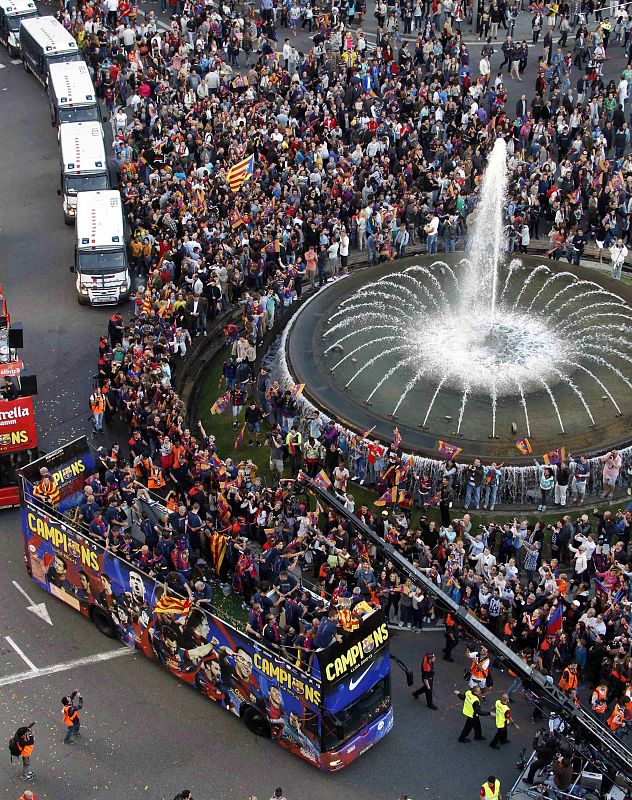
column 85, row 183
column 337, row 728
column 15, row 21
column 59, row 57
column 102, row 260
column 79, row 114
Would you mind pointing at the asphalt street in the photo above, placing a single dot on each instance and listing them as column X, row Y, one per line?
column 145, row 734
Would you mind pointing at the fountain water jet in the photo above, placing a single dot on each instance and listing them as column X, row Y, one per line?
column 449, row 339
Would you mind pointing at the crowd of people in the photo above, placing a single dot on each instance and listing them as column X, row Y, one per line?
column 372, row 146
column 356, row 144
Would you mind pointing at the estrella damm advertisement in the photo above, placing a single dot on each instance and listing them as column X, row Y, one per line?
column 69, row 466
column 17, row 425
column 197, row 647
column 342, row 659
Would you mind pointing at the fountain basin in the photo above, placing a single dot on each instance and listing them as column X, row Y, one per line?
column 557, row 360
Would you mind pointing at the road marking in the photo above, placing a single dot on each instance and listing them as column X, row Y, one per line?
column 2, row 66
column 39, row 609
column 16, row 60
column 22, row 654
column 41, row 672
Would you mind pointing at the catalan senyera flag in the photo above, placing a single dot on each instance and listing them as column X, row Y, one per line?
column 322, row 480
column 173, row 605
column 388, row 497
column 447, row 450
column 554, row 456
column 240, row 172
column 219, row 543
column 524, row 445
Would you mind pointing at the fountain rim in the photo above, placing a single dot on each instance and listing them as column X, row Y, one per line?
column 308, row 402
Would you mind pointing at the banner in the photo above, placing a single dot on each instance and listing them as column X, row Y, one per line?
column 69, row 467
column 11, row 369
column 17, row 425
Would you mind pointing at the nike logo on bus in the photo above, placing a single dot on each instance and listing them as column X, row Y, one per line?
column 354, row 683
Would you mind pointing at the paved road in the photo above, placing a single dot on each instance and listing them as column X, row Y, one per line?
column 146, row 734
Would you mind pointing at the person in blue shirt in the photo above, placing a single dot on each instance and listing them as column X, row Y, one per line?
column 326, row 633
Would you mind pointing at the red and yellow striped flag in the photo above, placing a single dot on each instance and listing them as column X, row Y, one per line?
column 240, row 172
column 173, row 605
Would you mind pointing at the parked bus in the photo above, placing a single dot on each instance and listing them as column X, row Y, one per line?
column 101, row 262
column 83, row 163
column 12, row 14
column 44, row 41
column 328, row 714
column 71, row 93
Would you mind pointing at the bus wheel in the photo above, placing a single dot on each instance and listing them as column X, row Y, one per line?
column 104, row 623
column 256, row 722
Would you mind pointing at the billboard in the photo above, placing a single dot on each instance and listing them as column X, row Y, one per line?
column 342, row 660
column 17, row 425
column 69, row 467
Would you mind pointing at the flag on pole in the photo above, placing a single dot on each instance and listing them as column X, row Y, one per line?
column 322, row 480
column 524, row 445
column 240, row 172
column 297, row 390
column 554, row 456
column 397, row 438
column 447, row 450
column 388, row 497
column 221, row 404
column 240, row 436
column 173, row 605
column 555, row 620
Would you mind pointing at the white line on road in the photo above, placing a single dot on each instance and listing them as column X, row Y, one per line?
column 22, row 655
column 86, row 661
column 39, row 609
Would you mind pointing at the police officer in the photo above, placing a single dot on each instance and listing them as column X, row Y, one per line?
column 503, row 721
column 491, row 789
column 472, row 712
column 427, row 680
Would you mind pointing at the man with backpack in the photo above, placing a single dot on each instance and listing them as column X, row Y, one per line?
column 21, row 746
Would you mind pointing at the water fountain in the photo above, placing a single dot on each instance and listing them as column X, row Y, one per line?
column 476, row 348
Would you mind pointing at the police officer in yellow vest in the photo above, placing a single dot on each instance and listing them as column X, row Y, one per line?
column 503, row 721
column 491, row 789
column 471, row 711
